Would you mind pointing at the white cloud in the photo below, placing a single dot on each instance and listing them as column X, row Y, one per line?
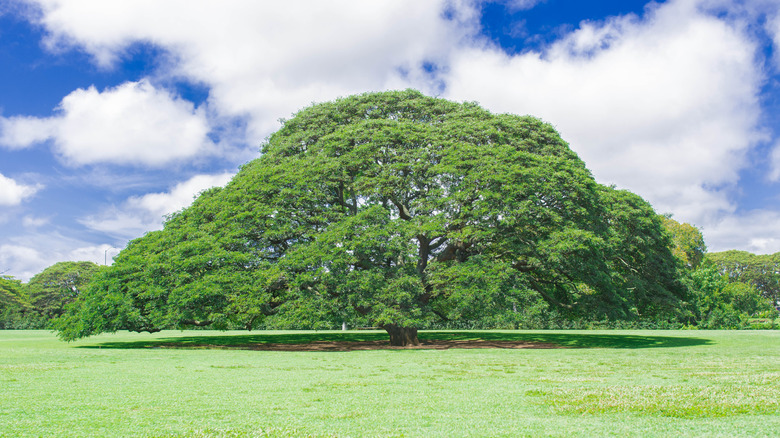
column 665, row 105
column 35, row 222
column 24, row 260
column 20, row 132
column 133, row 123
column 98, row 254
column 180, row 196
column 772, row 25
column 266, row 60
column 774, row 163
column 13, row 193
column 754, row 231
column 139, row 214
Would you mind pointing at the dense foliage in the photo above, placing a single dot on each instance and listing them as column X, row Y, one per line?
column 56, row 286
column 395, row 210
column 717, row 303
column 717, row 297
column 687, row 242
column 35, row 304
column 15, row 308
column 762, row 271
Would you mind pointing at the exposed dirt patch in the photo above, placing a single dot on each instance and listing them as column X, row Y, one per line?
column 375, row 345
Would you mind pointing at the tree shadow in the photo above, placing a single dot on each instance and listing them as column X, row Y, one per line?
column 245, row 341
column 374, row 340
column 582, row 340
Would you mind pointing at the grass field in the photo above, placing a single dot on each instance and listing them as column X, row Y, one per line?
column 200, row 383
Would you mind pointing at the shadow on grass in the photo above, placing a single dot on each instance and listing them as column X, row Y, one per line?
column 563, row 340
column 579, row 340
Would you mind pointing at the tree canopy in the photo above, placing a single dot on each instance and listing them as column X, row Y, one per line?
column 687, row 241
column 393, row 209
column 14, row 303
column 10, row 293
column 56, row 286
column 718, row 301
column 762, row 271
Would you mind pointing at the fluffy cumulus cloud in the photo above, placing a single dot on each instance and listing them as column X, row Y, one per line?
column 13, row 193
column 133, row 123
column 665, row 105
column 139, row 214
column 20, row 132
column 754, row 231
column 265, row 60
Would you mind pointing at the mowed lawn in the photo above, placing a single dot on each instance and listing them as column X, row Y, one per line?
column 203, row 383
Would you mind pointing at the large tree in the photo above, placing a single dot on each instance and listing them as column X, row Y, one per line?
column 53, row 288
column 396, row 209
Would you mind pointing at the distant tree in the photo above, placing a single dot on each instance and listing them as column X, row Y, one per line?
column 718, row 303
column 399, row 210
column 745, row 298
column 10, row 291
column 688, row 242
column 56, row 286
column 14, row 304
column 762, row 271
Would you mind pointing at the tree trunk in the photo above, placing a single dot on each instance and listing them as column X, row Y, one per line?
column 401, row 336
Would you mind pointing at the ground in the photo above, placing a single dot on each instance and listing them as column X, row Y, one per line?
column 199, row 383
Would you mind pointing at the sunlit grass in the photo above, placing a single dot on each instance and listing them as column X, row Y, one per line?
column 606, row 383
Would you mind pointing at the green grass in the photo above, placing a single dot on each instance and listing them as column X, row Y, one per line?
column 607, row 383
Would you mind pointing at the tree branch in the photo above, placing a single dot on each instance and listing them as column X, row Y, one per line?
column 403, row 211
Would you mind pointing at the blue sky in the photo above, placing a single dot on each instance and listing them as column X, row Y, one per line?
column 114, row 114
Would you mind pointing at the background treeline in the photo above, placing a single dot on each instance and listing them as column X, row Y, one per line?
column 725, row 290
column 34, row 305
